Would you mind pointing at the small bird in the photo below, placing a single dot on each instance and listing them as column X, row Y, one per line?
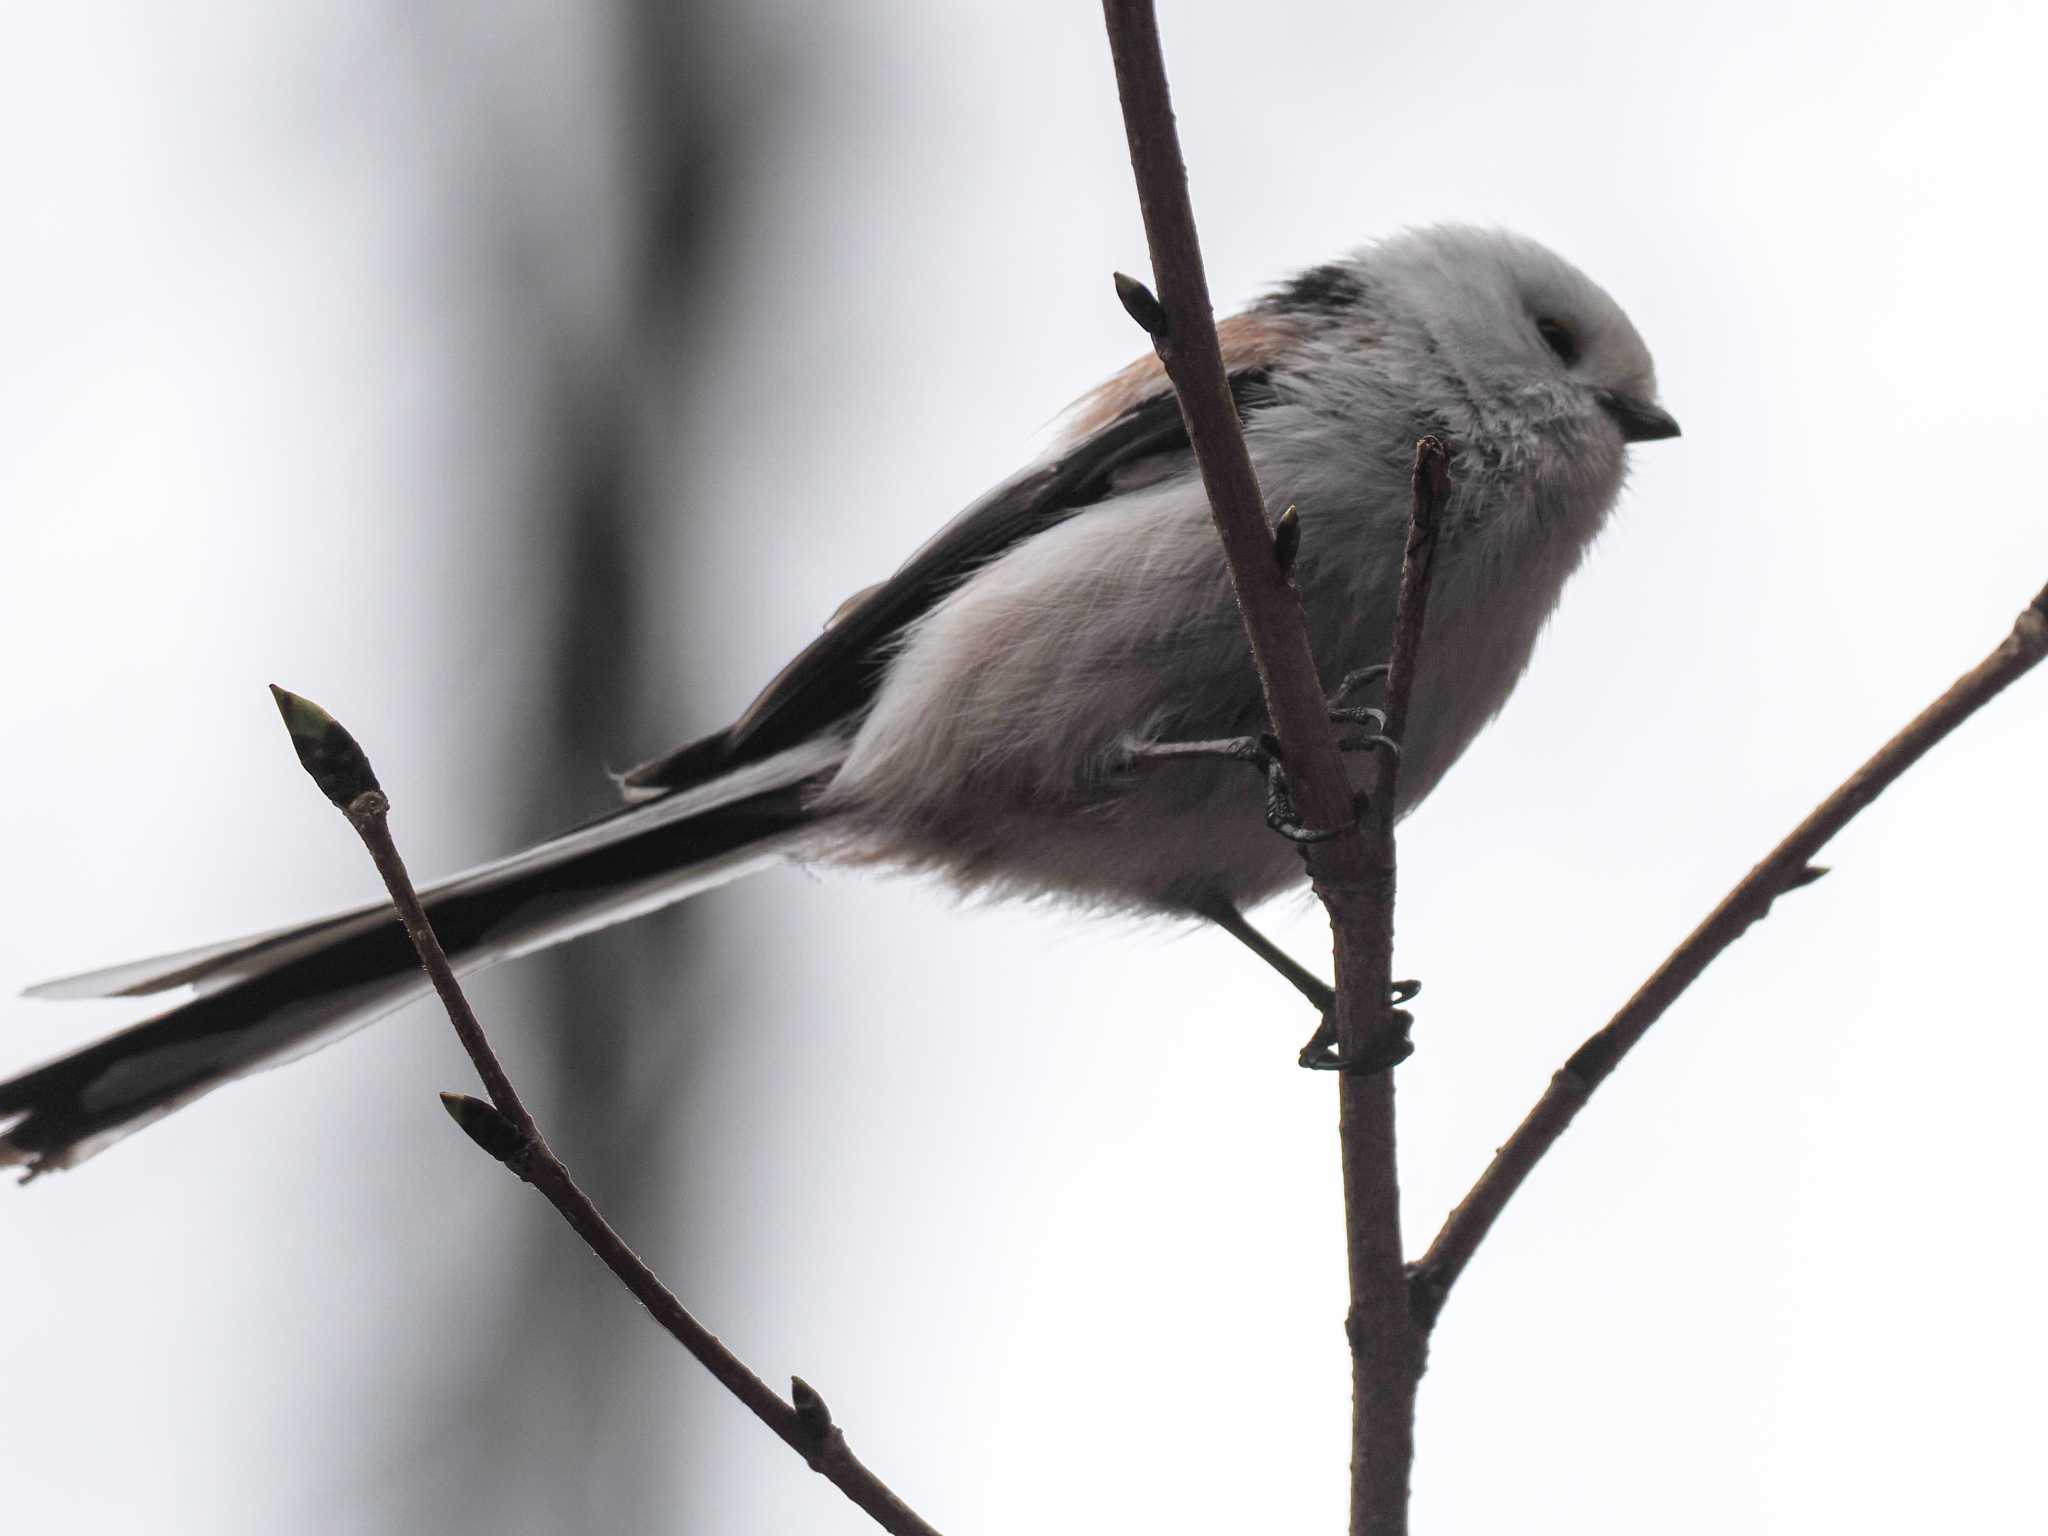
column 983, row 713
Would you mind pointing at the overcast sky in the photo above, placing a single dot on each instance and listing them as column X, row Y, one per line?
column 1043, row 1206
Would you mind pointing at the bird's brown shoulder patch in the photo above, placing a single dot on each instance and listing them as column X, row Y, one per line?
column 1250, row 340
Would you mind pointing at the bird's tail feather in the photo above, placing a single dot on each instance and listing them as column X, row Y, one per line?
column 266, row 999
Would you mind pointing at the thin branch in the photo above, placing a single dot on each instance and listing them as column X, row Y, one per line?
column 1431, row 489
column 1183, row 331
column 1786, row 868
column 1354, row 880
column 507, row 1130
column 1389, row 1345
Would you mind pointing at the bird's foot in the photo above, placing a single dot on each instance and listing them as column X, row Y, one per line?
column 1321, row 1053
column 1342, row 713
column 1261, row 752
column 1388, row 1049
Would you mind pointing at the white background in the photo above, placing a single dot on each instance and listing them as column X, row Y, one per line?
column 1043, row 1207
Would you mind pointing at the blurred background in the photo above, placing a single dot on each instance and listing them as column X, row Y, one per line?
column 526, row 381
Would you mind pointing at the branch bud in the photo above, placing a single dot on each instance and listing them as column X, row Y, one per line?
column 1287, row 541
column 326, row 750
column 812, row 1416
column 483, row 1124
column 1140, row 305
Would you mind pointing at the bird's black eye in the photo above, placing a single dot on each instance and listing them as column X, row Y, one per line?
column 1558, row 337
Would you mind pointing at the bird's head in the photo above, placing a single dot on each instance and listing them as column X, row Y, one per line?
column 1529, row 337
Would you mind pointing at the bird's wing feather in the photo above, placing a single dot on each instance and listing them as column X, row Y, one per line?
column 1131, row 419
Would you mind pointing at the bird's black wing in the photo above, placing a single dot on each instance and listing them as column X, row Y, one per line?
column 836, row 675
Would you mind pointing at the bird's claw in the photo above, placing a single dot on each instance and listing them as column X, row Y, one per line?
column 1355, row 680
column 1346, row 714
column 1281, row 815
column 1261, row 752
column 1389, row 1049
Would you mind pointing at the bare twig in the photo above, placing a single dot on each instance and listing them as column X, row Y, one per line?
column 1786, row 868
column 1389, row 1344
column 507, row 1130
column 1352, row 875
column 1432, row 487
column 1183, row 331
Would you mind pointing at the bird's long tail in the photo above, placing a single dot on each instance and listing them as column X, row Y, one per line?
column 264, row 1000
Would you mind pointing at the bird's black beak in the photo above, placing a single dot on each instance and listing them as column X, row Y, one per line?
column 1639, row 420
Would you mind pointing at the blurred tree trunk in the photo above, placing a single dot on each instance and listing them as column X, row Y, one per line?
column 566, row 1418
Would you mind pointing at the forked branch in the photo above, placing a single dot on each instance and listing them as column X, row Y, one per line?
column 1352, row 870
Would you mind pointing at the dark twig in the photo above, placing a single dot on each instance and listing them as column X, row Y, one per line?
column 1431, row 489
column 1353, row 885
column 1184, row 334
column 1386, row 1043
column 1787, row 867
column 1389, row 1345
column 505, row 1129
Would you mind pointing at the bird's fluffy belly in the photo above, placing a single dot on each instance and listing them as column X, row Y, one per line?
column 997, row 750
